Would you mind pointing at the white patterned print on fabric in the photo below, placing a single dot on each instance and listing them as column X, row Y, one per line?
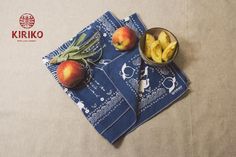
column 105, row 109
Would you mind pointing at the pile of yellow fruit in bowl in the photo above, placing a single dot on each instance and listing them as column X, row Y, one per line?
column 158, row 46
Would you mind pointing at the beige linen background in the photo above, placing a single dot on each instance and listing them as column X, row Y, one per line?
column 38, row 120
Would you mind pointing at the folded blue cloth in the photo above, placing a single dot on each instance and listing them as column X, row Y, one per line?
column 121, row 92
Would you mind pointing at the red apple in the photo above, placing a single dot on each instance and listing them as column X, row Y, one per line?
column 70, row 73
column 124, row 38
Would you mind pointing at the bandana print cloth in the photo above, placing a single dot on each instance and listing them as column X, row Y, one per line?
column 121, row 92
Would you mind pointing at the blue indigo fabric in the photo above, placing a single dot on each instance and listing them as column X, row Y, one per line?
column 121, row 91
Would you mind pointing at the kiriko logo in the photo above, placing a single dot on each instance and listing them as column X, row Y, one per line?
column 27, row 21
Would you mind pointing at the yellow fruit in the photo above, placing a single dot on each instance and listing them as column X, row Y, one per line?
column 164, row 39
column 169, row 51
column 156, row 51
column 149, row 40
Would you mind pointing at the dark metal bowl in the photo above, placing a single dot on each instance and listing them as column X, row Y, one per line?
column 155, row 32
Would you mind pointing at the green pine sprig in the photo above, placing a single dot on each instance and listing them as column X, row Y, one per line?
column 78, row 51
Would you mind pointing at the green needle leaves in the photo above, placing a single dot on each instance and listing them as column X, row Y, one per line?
column 79, row 50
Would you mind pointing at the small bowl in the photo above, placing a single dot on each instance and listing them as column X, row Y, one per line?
column 155, row 32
